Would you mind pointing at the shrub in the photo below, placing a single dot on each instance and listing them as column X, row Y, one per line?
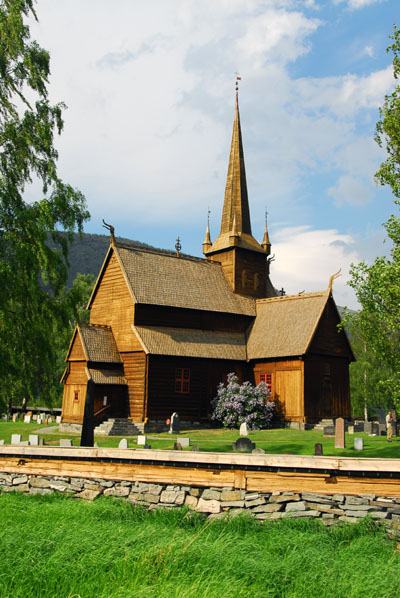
column 237, row 403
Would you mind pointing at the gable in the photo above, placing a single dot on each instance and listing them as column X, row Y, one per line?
column 76, row 352
column 328, row 340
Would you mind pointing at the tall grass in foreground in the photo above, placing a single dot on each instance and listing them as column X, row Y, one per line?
column 58, row 547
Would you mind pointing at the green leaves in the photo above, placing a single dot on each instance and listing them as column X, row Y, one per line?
column 34, row 307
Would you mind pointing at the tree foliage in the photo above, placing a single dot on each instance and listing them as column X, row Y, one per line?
column 33, row 304
column 377, row 286
column 238, row 403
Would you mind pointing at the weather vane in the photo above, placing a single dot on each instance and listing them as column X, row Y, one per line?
column 178, row 246
column 238, row 78
column 208, row 216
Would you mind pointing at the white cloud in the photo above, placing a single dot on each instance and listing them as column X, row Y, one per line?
column 350, row 190
column 354, row 4
column 369, row 51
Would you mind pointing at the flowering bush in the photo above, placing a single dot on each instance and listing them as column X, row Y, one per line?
column 237, row 403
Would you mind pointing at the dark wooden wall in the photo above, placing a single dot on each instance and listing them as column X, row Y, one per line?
column 327, row 388
column 245, row 270
column 135, row 371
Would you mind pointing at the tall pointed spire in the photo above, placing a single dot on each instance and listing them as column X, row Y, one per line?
column 266, row 244
column 236, row 203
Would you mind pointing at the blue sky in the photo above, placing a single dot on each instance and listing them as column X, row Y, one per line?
column 150, row 93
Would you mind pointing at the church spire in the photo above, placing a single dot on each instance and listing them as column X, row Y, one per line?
column 266, row 244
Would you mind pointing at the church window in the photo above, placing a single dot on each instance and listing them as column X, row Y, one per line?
column 182, row 380
column 76, row 395
column 267, row 379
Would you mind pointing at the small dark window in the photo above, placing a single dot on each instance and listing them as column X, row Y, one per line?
column 267, row 379
column 182, row 380
column 76, row 395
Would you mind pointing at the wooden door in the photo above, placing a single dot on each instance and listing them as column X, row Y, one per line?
column 288, row 392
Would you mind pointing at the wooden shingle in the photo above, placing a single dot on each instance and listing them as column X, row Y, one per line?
column 99, row 343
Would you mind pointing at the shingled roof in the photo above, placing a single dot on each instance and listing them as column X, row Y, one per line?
column 102, row 376
column 284, row 326
column 192, row 283
column 184, row 342
column 99, row 343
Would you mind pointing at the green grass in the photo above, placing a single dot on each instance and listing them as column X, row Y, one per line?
column 279, row 441
column 58, row 547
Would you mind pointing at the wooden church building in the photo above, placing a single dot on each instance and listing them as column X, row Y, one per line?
column 165, row 329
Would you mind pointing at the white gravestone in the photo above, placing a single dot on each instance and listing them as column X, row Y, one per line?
column 141, row 440
column 34, row 439
column 183, row 441
column 359, row 444
column 123, row 444
column 243, row 429
column 16, row 438
column 65, row 442
column 27, row 419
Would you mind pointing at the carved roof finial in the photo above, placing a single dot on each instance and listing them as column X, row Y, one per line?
column 332, row 278
column 207, row 239
column 111, row 229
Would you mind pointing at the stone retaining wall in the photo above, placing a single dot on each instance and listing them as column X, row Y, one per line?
column 215, row 502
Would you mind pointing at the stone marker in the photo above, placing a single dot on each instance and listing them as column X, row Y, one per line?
column 258, row 451
column 318, row 451
column 15, row 417
column 371, row 428
column 27, row 419
column 123, row 444
column 39, row 419
column 243, row 445
column 183, row 441
column 329, row 430
column 34, row 439
column 359, row 444
column 1, row 442
column 350, row 429
column 382, row 429
column 195, row 448
column 58, row 419
column 147, row 446
column 174, row 426
column 65, row 442
column 16, row 438
column 177, row 446
column 339, row 433
column 141, row 439
column 243, row 431
column 34, row 418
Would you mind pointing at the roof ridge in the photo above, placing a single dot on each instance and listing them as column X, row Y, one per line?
column 163, row 252
column 292, row 297
column 90, row 325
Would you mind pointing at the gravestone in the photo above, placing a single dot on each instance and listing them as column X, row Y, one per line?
column 1, row 442
column 65, row 442
column 258, row 451
column 177, row 446
column 34, row 417
column 329, row 430
column 318, row 451
column 195, row 448
column 243, row 429
column 183, row 441
column 147, row 446
column 339, row 433
column 243, row 445
column 359, row 444
column 34, row 439
column 27, row 419
column 123, row 444
column 350, row 429
column 16, row 438
column 58, row 419
column 141, row 440
column 15, row 417
column 39, row 419
column 371, row 428
column 174, row 426
column 382, row 429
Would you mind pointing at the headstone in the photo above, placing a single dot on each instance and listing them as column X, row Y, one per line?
column 123, row 444
column 184, row 442
column 16, row 438
column 177, row 446
column 41, row 442
column 27, row 419
column 34, row 439
column 195, row 448
column 147, row 446
column 15, row 417
column 39, row 419
column 50, row 419
column 382, row 429
column 58, row 419
column 371, row 428
column 1, row 442
column 34, row 417
column 243, row 445
column 359, row 444
column 174, row 426
column 243, row 431
column 339, row 433
column 65, row 442
column 318, row 451
column 329, row 430
column 258, row 451
column 141, row 439
column 350, row 429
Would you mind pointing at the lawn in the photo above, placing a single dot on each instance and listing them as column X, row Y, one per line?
column 278, row 441
column 59, row 547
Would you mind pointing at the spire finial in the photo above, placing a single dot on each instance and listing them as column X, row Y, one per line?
column 207, row 239
column 332, row 278
column 178, row 246
column 266, row 244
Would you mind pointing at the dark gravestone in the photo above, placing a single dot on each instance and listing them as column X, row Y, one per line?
column 318, row 452
column 339, row 433
column 177, row 446
column 243, row 445
column 146, row 446
column 87, row 436
column 371, row 428
column 174, row 427
column 329, row 431
column 195, row 448
column 382, row 429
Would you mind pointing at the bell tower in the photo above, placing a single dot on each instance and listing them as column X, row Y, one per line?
column 243, row 259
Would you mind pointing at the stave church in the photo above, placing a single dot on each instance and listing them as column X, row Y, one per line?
column 165, row 329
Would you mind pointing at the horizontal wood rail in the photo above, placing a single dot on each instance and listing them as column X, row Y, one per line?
column 263, row 473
